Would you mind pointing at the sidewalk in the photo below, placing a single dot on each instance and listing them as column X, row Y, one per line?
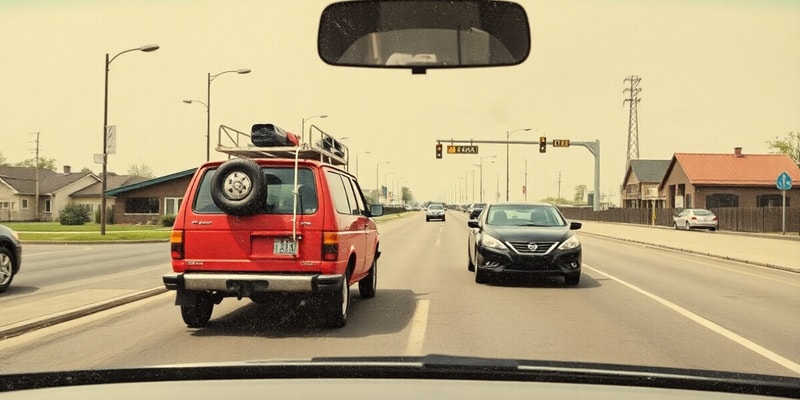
column 774, row 251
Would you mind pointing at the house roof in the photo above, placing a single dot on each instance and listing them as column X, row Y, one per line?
column 23, row 179
column 733, row 170
column 114, row 181
column 151, row 182
column 648, row 171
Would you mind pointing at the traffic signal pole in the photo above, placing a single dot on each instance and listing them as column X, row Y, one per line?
column 593, row 147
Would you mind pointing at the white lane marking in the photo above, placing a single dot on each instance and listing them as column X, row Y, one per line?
column 419, row 322
column 752, row 346
column 739, row 271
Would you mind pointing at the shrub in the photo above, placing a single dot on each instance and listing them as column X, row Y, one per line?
column 167, row 220
column 74, row 214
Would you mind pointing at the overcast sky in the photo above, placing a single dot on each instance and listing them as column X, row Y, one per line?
column 715, row 75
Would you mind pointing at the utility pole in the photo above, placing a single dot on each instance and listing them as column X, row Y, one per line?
column 525, row 188
column 36, row 164
column 559, row 186
column 633, row 119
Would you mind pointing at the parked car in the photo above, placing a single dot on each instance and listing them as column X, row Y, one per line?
column 10, row 256
column 696, row 218
column 475, row 209
column 528, row 238
column 263, row 228
column 435, row 211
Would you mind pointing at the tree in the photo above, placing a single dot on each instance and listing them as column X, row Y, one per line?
column 141, row 171
column 407, row 197
column 44, row 163
column 790, row 145
column 580, row 192
column 560, row 200
column 86, row 170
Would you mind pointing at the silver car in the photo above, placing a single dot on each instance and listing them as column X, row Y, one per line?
column 435, row 211
column 695, row 218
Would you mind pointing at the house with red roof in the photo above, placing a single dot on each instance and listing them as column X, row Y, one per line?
column 696, row 180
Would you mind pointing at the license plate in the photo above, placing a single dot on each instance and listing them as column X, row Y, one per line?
column 284, row 246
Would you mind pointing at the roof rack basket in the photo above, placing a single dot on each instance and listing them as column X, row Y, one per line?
column 319, row 146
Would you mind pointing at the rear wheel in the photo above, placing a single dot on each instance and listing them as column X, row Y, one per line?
column 198, row 314
column 470, row 264
column 6, row 269
column 688, row 227
column 369, row 284
column 338, row 305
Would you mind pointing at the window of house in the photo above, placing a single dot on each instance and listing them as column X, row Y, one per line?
column 5, row 205
column 48, row 206
column 770, row 200
column 24, row 204
column 722, row 200
column 142, row 205
column 172, row 204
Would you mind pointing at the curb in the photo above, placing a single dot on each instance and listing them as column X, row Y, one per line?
column 690, row 251
column 82, row 311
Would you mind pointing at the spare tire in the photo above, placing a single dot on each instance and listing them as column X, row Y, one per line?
column 238, row 187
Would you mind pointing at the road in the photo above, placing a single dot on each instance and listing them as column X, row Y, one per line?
column 635, row 305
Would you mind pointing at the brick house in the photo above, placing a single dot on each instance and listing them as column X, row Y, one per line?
column 640, row 185
column 728, row 180
column 147, row 201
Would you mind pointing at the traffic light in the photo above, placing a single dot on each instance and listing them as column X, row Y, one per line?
column 542, row 144
column 438, row 150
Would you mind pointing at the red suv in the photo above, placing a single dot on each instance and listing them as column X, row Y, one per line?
column 266, row 227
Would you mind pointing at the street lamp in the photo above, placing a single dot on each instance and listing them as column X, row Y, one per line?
column 211, row 77
column 377, row 179
column 365, row 152
column 208, row 120
column 481, row 167
column 145, row 48
column 508, row 135
column 303, row 126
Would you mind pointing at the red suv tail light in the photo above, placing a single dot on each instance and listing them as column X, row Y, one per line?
column 176, row 244
column 330, row 246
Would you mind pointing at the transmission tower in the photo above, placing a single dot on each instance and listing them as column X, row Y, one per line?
column 633, row 119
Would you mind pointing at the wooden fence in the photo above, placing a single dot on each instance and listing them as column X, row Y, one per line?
column 752, row 219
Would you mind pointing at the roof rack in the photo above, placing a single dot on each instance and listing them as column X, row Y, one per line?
column 320, row 146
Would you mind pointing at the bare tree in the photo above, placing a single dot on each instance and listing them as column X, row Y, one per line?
column 141, row 171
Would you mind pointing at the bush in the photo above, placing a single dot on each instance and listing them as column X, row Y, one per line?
column 109, row 215
column 167, row 220
column 74, row 214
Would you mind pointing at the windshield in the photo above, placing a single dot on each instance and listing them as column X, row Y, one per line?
column 625, row 114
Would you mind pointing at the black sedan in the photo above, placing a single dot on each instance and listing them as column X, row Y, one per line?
column 527, row 238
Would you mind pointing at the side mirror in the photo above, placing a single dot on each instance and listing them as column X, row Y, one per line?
column 376, row 210
column 473, row 223
column 573, row 226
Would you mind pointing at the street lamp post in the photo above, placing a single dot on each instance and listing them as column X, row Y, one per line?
column 508, row 135
column 481, row 172
column 365, row 152
column 377, row 179
column 303, row 126
column 208, row 105
column 145, row 48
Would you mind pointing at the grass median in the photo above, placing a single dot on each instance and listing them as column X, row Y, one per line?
column 55, row 232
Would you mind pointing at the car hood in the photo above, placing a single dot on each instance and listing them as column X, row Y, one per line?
column 528, row 233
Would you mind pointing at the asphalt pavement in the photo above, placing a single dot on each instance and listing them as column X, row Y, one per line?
column 774, row 251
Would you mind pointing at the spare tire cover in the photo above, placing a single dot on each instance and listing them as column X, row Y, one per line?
column 238, row 187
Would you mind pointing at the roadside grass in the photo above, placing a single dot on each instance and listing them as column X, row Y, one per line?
column 53, row 231
column 90, row 232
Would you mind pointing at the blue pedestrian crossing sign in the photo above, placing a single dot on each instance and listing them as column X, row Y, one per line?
column 784, row 181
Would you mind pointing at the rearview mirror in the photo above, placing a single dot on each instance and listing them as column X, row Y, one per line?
column 423, row 34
